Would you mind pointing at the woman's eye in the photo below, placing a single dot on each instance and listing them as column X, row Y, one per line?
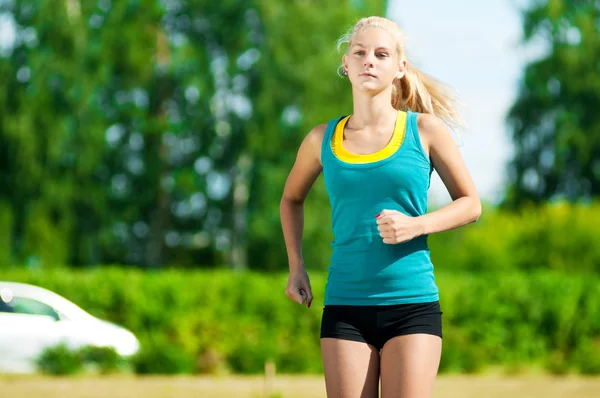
column 382, row 55
column 359, row 53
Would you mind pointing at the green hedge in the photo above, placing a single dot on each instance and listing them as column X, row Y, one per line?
column 555, row 236
column 210, row 321
column 59, row 360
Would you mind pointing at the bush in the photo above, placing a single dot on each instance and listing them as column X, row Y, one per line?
column 163, row 358
column 63, row 360
column 555, row 236
column 219, row 321
column 104, row 360
column 60, row 360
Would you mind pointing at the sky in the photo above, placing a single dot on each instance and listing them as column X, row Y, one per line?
column 474, row 46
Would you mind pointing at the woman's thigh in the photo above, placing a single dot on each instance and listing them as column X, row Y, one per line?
column 351, row 368
column 409, row 365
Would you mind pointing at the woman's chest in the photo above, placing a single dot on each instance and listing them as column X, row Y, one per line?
column 365, row 143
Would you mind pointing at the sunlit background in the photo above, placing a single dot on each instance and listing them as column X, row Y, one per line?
column 144, row 145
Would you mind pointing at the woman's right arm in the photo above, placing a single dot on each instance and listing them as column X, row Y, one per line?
column 305, row 171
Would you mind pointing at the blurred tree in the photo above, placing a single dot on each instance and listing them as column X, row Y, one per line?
column 180, row 106
column 555, row 121
column 36, row 131
column 160, row 132
column 116, row 142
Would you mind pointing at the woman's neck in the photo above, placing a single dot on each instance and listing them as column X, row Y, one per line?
column 372, row 110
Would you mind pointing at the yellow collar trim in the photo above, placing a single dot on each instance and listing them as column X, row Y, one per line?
column 392, row 146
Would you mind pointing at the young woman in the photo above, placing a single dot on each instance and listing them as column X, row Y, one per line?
column 382, row 318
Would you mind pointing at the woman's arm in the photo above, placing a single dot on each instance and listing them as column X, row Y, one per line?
column 305, row 171
column 447, row 161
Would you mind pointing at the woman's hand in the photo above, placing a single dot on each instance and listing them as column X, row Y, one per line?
column 298, row 287
column 395, row 227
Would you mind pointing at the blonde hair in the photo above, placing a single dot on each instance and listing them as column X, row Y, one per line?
column 415, row 91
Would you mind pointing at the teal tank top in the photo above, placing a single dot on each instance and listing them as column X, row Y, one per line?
column 363, row 270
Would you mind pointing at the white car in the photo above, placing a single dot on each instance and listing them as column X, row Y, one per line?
column 33, row 318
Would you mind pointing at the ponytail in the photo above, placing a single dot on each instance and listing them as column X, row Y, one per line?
column 418, row 92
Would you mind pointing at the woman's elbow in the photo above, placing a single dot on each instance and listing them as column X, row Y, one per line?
column 476, row 209
column 290, row 200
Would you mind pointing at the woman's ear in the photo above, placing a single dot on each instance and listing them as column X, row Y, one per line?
column 402, row 68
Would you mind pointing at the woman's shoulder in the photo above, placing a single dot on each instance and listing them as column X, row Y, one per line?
column 431, row 130
column 428, row 122
column 430, row 126
column 312, row 142
column 316, row 134
column 318, row 131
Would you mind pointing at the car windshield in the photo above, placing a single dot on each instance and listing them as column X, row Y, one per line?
column 23, row 305
column 40, row 302
column 4, row 307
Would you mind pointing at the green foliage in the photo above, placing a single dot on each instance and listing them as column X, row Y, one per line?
column 104, row 360
column 63, row 360
column 6, row 225
column 556, row 236
column 163, row 358
column 224, row 321
column 554, row 120
column 60, row 360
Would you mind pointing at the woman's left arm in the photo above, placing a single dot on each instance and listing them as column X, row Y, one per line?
column 445, row 157
column 395, row 227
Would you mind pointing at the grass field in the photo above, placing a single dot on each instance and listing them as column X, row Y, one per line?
column 282, row 387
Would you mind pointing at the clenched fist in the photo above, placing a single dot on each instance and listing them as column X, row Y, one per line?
column 395, row 227
column 298, row 287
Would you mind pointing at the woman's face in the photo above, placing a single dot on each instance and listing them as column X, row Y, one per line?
column 372, row 60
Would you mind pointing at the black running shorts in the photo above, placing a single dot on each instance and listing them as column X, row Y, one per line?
column 375, row 325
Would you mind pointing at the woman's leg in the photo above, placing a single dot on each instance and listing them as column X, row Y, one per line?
column 409, row 366
column 351, row 368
